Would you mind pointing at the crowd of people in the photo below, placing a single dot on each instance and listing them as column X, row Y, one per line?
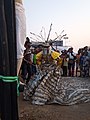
column 72, row 64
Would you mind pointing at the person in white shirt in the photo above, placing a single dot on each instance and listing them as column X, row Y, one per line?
column 71, row 62
column 20, row 31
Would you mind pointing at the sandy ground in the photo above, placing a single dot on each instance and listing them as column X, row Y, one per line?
column 52, row 112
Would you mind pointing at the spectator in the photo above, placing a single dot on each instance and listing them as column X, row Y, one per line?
column 64, row 62
column 89, row 59
column 71, row 62
column 77, row 61
column 85, row 65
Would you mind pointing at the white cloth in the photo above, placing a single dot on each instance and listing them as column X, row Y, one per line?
column 19, row 62
column 20, row 29
column 51, row 49
column 71, row 56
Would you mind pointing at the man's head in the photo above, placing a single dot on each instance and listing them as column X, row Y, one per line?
column 27, row 43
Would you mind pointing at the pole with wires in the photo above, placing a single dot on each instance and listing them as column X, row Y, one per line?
column 8, row 61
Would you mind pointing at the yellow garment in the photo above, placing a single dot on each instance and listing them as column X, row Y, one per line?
column 39, row 55
column 38, row 58
column 55, row 55
column 59, row 61
column 38, row 62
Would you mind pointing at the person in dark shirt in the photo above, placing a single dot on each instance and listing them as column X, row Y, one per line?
column 26, row 67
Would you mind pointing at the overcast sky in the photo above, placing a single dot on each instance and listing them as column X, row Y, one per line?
column 72, row 16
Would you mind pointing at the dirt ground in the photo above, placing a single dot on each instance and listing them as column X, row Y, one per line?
column 53, row 112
